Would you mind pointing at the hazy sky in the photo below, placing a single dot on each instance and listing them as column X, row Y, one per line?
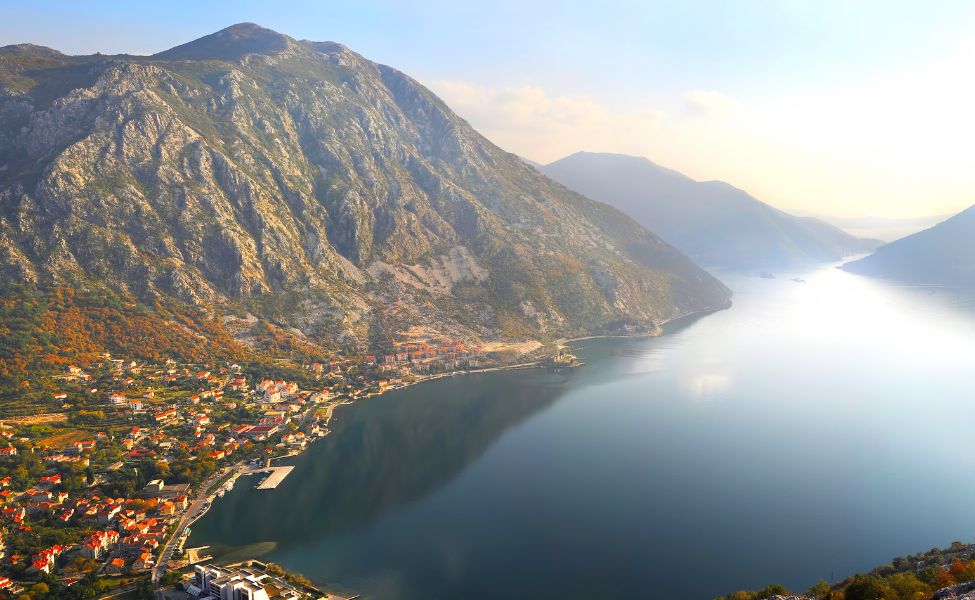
column 843, row 107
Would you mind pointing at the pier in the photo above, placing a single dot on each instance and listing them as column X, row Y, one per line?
column 276, row 476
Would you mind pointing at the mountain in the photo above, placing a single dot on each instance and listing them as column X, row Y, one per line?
column 943, row 254
column 297, row 184
column 714, row 223
column 886, row 229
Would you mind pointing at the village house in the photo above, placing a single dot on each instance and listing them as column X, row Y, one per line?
column 165, row 416
column 43, row 561
column 81, row 447
column 260, row 433
column 98, row 544
column 15, row 514
column 116, row 566
column 49, row 481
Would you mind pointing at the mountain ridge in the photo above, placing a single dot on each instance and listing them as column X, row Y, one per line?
column 713, row 222
column 311, row 187
column 942, row 254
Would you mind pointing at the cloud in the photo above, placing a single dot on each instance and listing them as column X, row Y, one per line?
column 708, row 103
column 541, row 126
column 896, row 144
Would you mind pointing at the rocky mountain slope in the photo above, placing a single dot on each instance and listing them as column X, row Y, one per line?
column 300, row 183
column 943, row 254
column 712, row 222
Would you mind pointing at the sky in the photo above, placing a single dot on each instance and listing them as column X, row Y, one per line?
column 847, row 108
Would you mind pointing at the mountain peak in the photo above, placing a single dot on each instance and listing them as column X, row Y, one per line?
column 609, row 160
column 333, row 180
column 231, row 44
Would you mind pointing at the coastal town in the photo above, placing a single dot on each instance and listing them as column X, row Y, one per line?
column 98, row 494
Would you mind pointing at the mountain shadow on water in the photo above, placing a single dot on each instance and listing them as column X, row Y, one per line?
column 381, row 455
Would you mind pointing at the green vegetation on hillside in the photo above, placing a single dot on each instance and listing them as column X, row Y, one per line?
column 299, row 184
column 915, row 577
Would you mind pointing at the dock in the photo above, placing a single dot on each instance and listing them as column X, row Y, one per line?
column 276, row 476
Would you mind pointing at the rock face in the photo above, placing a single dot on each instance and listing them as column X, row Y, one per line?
column 943, row 254
column 307, row 185
column 714, row 223
column 961, row 591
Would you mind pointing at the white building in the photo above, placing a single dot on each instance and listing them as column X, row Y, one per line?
column 228, row 584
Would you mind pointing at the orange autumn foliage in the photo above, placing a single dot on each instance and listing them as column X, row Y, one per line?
column 51, row 328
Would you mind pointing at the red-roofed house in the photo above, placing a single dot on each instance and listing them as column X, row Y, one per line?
column 165, row 416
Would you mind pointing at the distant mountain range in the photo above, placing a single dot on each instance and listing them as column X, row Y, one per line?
column 943, row 254
column 887, row 229
column 713, row 222
column 301, row 184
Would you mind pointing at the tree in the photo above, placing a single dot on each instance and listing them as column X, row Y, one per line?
column 930, row 575
column 770, row 591
column 143, row 590
column 906, row 586
column 868, row 588
column 171, row 578
column 962, row 571
column 819, row 590
column 39, row 588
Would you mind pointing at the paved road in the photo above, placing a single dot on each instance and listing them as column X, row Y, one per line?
column 122, row 591
column 198, row 505
column 196, row 508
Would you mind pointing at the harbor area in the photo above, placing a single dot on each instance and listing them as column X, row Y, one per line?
column 275, row 476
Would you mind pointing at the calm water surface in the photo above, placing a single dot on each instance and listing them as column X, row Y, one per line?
column 813, row 430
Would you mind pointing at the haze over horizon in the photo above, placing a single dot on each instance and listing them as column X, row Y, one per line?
column 832, row 109
column 589, row 301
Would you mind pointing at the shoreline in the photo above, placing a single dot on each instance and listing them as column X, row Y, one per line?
column 661, row 327
column 240, row 468
column 211, row 490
